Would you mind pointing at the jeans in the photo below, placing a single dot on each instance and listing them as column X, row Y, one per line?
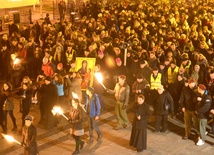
column 161, row 121
column 202, row 128
column 93, row 126
column 11, row 116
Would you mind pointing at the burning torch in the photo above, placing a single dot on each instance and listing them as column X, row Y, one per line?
column 11, row 139
column 58, row 110
column 99, row 78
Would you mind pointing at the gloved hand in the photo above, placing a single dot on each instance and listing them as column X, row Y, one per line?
column 124, row 106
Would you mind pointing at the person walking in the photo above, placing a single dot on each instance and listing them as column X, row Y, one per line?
column 93, row 111
column 139, row 127
column 122, row 92
column 49, row 98
column 204, row 101
column 76, row 120
column 8, row 106
column 29, row 136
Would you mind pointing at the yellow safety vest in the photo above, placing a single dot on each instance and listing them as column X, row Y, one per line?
column 172, row 75
column 155, row 83
column 69, row 56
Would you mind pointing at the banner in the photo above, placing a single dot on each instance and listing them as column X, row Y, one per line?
column 17, row 3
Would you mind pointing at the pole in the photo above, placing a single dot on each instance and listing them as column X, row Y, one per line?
column 125, row 56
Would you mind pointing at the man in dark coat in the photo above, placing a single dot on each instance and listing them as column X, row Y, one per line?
column 49, row 98
column 163, row 100
column 188, row 107
column 29, row 135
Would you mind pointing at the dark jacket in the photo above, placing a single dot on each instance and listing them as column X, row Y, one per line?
column 142, row 111
column 203, row 106
column 143, row 86
column 30, row 141
column 161, row 99
column 186, row 99
column 26, row 100
column 49, row 95
column 76, row 118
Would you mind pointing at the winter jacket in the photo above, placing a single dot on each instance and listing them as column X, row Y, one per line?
column 186, row 99
column 203, row 106
column 160, row 102
column 93, row 106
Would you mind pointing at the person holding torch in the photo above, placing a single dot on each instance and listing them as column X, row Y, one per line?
column 29, row 135
column 121, row 92
column 76, row 119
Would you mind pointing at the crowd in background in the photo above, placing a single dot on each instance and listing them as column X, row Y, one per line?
column 142, row 41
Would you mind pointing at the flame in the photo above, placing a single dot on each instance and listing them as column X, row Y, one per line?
column 16, row 61
column 56, row 110
column 99, row 77
column 10, row 139
column 75, row 95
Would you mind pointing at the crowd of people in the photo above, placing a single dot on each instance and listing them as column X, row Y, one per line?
column 161, row 54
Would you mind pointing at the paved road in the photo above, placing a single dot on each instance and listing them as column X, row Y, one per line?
column 56, row 141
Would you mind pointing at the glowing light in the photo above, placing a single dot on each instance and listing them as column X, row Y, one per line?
column 75, row 95
column 16, row 61
column 99, row 78
column 10, row 139
column 58, row 110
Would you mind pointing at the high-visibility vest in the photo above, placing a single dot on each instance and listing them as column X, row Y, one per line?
column 155, row 83
column 69, row 56
column 172, row 75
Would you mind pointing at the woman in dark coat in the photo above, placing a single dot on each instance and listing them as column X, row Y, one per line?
column 139, row 130
column 8, row 106
column 26, row 95
column 76, row 119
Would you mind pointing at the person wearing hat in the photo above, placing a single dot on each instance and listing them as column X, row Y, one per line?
column 204, row 101
column 145, row 70
column 29, row 137
column 93, row 108
column 140, row 86
column 163, row 105
column 49, row 98
column 188, row 107
column 122, row 92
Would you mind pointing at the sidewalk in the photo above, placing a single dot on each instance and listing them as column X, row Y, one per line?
column 115, row 142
